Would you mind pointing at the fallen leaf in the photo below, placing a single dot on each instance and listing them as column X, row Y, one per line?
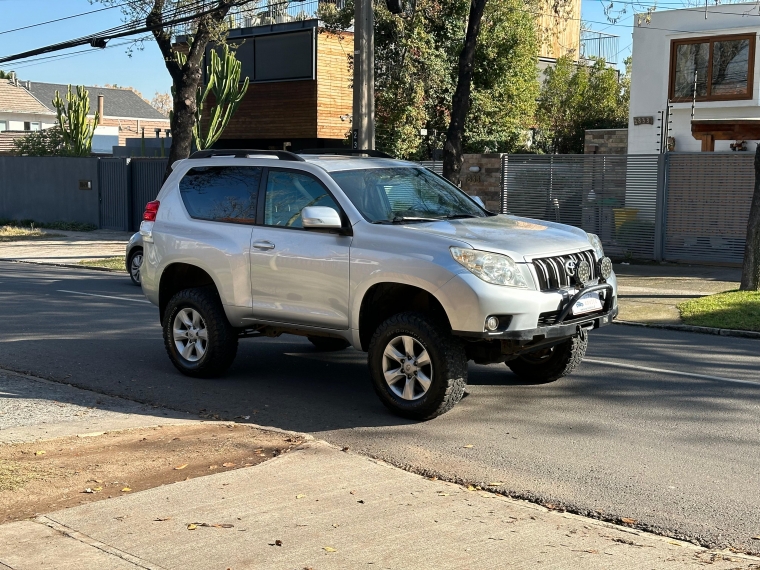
column 213, row 467
column 126, row 490
column 162, row 519
column 329, row 549
column 628, row 521
column 39, row 452
column 468, row 446
column 300, row 496
column 440, row 494
column 223, row 525
column 360, row 501
column 180, row 467
column 192, row 526
column 674, row 543
column 335, row 525
column 228, row 465
column 97, row 488
column 352, row 492
column 756, row 537
column 278, row 543
column 495, row 484
column 470, row 488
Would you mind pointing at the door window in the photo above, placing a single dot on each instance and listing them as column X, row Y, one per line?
column 290, row 192
column 222, row 193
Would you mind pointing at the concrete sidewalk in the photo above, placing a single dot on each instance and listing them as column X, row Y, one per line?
column 318, row 507
column 650, row 293
column 314, row 507
column 66, row 248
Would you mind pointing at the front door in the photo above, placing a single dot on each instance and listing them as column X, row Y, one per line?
column 298, row 276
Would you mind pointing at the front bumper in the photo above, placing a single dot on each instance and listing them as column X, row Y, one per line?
column 563, row 323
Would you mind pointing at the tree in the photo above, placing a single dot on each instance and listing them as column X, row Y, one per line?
column 5, row 74
column 577, row 97
column 76, row 129
column 47, row 142
column 162, row 102
column 185, row 71
column 751, row 265
column 224, row 84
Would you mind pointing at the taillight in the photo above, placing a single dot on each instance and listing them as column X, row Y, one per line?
column 151, row 209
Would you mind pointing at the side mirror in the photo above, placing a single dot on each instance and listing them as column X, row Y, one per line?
column 321, row 217
column 479, row 200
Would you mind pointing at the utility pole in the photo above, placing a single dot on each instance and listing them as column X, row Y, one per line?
column 363, row 127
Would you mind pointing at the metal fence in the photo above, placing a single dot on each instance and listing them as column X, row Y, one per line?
column 683, row 207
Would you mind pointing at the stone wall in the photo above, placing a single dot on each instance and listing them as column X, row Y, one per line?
column 606, row 141
column 486, row 182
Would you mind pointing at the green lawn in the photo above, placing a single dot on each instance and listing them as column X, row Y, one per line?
column 108, row 263
column 731, row 310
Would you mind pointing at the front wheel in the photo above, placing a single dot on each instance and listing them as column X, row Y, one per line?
column 197, row 335
column 418, row 369
column 550, row 364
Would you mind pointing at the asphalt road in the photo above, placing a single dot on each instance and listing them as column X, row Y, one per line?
column 657, row 426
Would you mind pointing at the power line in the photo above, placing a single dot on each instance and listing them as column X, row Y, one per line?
column 62, row 19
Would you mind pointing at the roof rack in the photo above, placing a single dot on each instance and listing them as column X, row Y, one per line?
column 345, row 152
column 246, row 153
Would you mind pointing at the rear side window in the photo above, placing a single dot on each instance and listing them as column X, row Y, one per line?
column 222, row 193
column 290, row 192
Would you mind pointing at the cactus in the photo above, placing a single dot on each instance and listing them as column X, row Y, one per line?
column 224, row 82
column 76, row 130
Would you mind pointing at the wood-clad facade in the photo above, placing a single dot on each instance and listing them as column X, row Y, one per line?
column 560, row 35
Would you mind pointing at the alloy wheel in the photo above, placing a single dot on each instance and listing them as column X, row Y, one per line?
column 134, row 266
column 190, row 334
column 407, row 368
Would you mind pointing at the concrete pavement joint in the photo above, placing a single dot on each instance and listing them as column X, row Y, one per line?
column 89, row 541
column 692, row 328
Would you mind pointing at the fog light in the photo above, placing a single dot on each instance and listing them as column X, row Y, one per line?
column 492, row 323
column 584, row 272
column 605, row 267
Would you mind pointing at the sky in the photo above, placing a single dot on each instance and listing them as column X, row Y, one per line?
column 145, row 70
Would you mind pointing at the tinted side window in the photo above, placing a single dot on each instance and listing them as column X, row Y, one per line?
column 222, row 193
column 290, row 192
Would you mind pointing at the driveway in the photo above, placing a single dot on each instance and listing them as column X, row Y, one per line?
column 657, row 426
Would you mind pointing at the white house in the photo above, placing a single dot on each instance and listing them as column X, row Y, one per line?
column 718, row 44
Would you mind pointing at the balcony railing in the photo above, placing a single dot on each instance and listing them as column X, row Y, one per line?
column 268, row 12
column 598, row 45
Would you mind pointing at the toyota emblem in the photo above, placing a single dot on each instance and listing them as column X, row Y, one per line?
column 570, row 267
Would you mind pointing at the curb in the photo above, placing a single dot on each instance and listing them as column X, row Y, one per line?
column 67, row 265
column 692, row 328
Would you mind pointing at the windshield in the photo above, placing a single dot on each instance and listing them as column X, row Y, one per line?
column 388, row 195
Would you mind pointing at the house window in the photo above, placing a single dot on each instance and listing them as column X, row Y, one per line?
column 718, row 68
column 3, row 126
column 35, row 127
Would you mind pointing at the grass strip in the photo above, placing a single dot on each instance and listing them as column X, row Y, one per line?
column 738, row 310
column 116, row 263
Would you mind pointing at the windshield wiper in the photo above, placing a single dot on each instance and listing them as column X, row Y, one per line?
column 400, row 219
column 461, row 216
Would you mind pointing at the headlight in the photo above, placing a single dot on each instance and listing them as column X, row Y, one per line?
column 490, row 267
column 596, row 243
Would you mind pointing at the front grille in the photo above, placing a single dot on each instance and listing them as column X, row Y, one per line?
column 552, row 274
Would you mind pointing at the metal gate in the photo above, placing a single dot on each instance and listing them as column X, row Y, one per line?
column 708, row 200
column 114, row 188
column 147, row 177
column 613, row 196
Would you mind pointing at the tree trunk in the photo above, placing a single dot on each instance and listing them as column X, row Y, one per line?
column 460, row 105
column 185, row 77
column 751, row 266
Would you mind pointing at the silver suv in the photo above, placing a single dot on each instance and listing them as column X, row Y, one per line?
column 370, row 252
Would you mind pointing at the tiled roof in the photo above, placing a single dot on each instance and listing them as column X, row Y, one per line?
column 18, row 100
column 7, row 138
column 116, row 102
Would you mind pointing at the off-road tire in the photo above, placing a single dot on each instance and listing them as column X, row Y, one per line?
column 328, row 344
column 447, row 356
column 222, row 343
column 564, row 358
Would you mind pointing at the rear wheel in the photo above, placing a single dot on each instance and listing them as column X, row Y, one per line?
column 552, row 363
column 134, row 263
column 197, row 335
column 418, row 369
column 328, row 344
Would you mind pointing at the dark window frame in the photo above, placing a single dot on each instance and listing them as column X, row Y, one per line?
column 261, row 217
column 711, row 40
column 243, row 221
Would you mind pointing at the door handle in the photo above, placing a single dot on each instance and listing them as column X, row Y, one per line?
column 263, row 245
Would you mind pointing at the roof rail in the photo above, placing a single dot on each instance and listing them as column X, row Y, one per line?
column 345, row 152
column 246, row 153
